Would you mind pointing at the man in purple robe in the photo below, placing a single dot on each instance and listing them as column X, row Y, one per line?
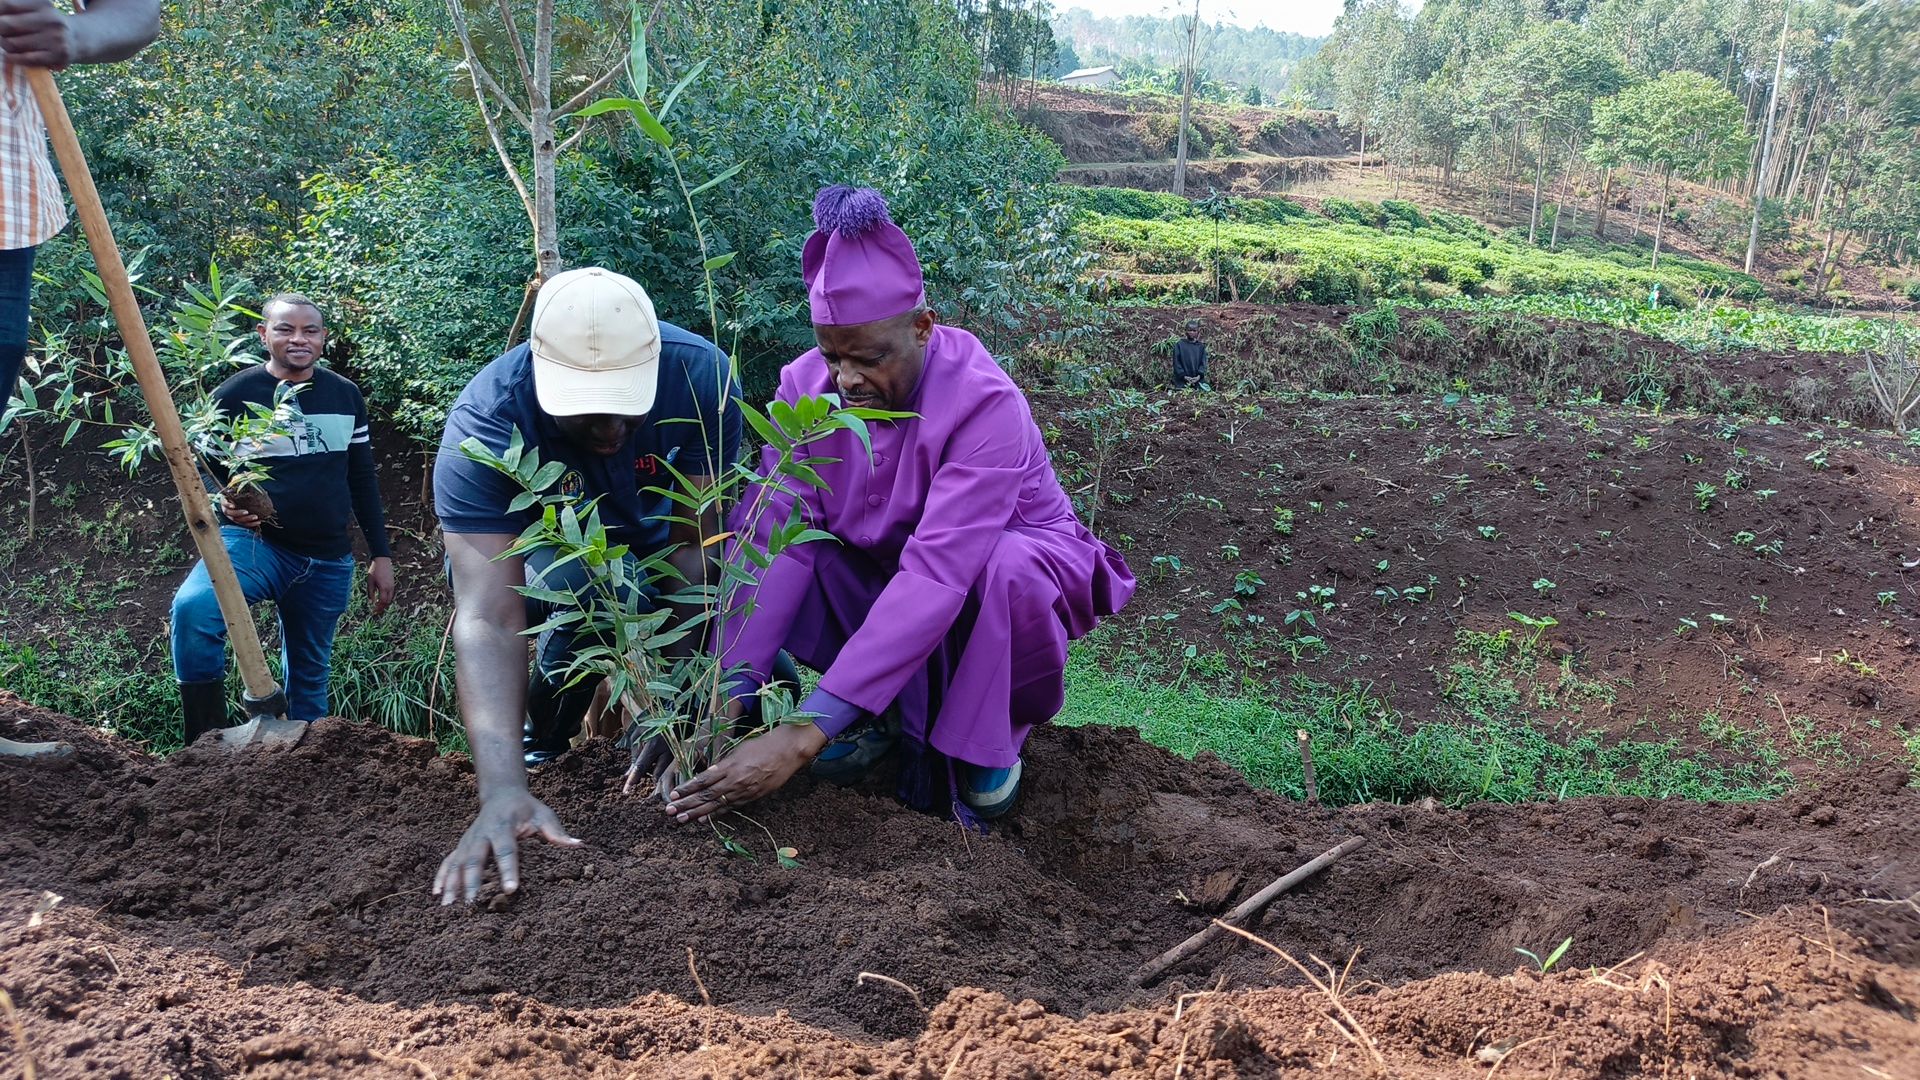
column 940, row 613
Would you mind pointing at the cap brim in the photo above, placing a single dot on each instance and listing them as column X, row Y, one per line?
column 568, row 391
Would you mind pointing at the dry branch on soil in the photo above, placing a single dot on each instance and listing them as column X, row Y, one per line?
column 1331, row 988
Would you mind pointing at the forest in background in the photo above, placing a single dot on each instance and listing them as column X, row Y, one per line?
column 1150, row 50
column 1808, row 105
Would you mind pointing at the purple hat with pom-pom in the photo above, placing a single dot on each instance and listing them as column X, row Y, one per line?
column 859, row 267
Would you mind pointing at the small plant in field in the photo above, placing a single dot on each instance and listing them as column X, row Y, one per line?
column 1719, row 620
column 1247, row 583
column 1382, row 566
column 1764, row 494
column 1887, row 598
column 1735, row 479
column 1283, row 521
column 1761, row 601
column 1319, row 595
column 1544, row 587
column 1686, row 626
column 1538, row 624
column 1772, row 547
column 1552, row 958
column 1487, row 532
column 1703, row 495
column 1168, row 565
column 1818, row 458
column 1302, row 644
column 1642, row 442
column 1229, row 551
column 1744, row 538
column 1858, row 665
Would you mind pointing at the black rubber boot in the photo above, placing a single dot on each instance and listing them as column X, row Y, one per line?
column 204, row 704
column 553, row 718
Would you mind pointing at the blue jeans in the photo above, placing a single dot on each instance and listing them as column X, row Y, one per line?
column 16, row 289
column 311, row 594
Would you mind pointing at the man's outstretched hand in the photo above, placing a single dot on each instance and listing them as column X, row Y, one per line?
column 503, row 821
column 753, row 769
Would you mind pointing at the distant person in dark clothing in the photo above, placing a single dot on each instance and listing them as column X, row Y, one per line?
column 1190, row 359
column 320, row 477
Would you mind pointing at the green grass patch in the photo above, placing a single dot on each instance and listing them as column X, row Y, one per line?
column 1362, row 751
column 382, row 672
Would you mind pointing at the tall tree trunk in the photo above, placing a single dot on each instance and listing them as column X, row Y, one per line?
column 1513, row 162
column 1799, row 168
column 1660, row 224
column 546, row 227
column 1539, row 174
column 1186, row 104
column 1826, row 185
column 1606, row 203
column 1639, row 199
column 1766, row 140
column 1560, row 203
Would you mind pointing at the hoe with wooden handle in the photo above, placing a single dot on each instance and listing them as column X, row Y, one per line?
column 265, row 703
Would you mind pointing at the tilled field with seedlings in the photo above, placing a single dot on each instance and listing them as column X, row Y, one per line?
column 1746, row 588
column 266, row 914
column 1305, row 348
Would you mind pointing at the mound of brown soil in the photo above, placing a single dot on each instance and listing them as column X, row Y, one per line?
column 266, row 914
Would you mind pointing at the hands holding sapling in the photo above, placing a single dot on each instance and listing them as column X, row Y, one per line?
column 753, row 769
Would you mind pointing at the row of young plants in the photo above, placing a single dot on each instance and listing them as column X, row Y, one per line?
column 1702, row 326
column 1412, row 256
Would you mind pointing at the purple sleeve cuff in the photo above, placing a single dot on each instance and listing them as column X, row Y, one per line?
column 835, row 714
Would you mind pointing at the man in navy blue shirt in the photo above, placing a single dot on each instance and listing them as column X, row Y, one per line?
column 615, row 395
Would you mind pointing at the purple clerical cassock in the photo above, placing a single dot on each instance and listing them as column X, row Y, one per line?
column 960, row 571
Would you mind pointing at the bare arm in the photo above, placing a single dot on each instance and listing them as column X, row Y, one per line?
column 35, row 33
column 490, row 670
column 490, row 656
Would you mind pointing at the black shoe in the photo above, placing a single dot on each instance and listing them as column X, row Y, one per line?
column 204, row 706
column 553, row 719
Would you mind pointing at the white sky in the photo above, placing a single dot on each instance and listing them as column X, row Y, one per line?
column 1311, row 17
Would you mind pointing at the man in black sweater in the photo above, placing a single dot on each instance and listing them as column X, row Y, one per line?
column 1190, row 359
column 320, row 467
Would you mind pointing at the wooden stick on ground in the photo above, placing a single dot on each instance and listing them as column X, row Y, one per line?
column 1306, row 766
column 1253, row 905
column 263, row 693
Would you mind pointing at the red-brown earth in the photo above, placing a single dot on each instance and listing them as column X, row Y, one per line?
column 266, row 915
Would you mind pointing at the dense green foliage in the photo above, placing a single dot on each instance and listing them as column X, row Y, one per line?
column 334, row 147
column 1706, row 326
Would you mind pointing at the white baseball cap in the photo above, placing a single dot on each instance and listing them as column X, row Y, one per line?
column 596, row 345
